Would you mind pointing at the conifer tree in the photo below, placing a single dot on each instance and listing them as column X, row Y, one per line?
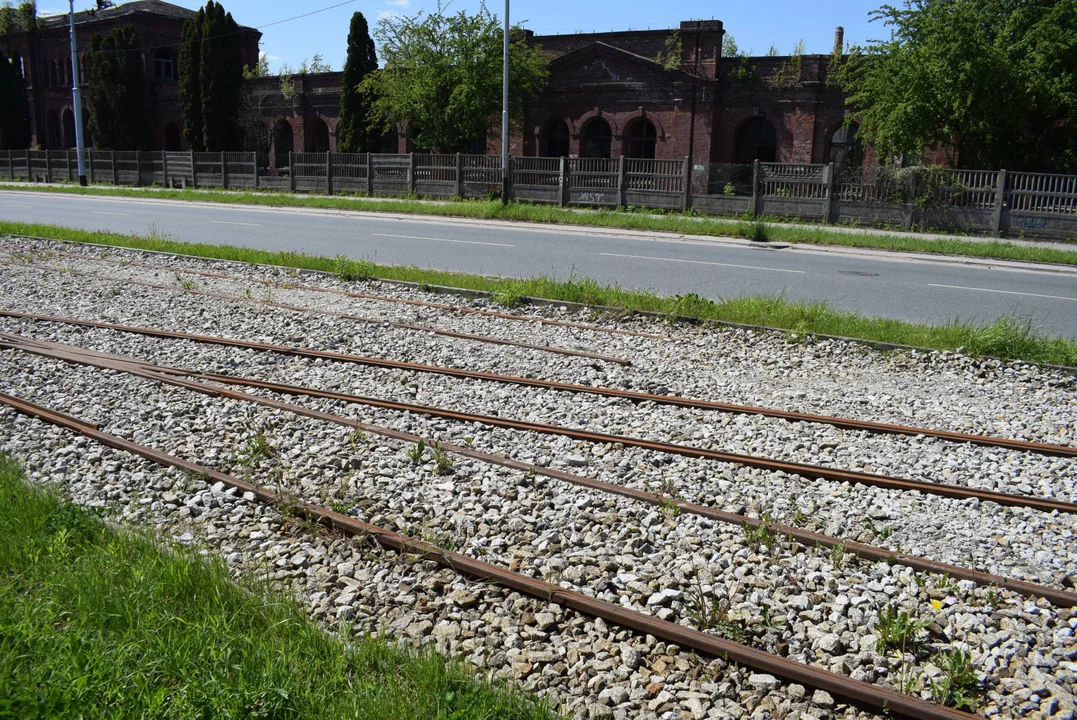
column 190, row 83
column 14, row 106
column 354, row 134
column 115, row 91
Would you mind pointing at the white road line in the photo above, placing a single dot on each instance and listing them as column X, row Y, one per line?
column 464, row 242
column 18, row 206
column 99, row 212
column 1004, row 292
column 705, row 262
column 227, row 222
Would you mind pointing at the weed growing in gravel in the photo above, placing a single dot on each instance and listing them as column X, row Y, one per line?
column 416, row 453
column 351, row 270
column 758, row 536
column 898, row 631
column 250, row 295
column 256, row 447
column 670, row 509
column 712, row 613
column 958, row 687
column 880, row 533
column 837, row 556
column 443, row 464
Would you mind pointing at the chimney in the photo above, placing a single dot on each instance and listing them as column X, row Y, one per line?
column 839, row 40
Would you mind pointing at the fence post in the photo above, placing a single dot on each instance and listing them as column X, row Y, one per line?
column 459, row 175
column 755, row 189
column 1000, row 201
column 112, row 163
column 411, row 173
column 563, row 200
column 70, row 177
column 912, row 202
column 11, row 164
column 254, row 157
column 164, row 169
column 224, row 171
column 370, row 173
column 138, row 168
column 291, row 170
column 329, row 172
column 828, row 193
column 48, row 167
column 89, row 162
column 686, row 196
column 621, row 181
column 194, row 172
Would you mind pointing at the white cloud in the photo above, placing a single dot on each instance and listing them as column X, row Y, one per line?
column 399, row 3
column 267, row 56
column 387, row 13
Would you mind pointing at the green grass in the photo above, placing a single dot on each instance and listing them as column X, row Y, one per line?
column 631, row 219
column 1007, row 338
column 99, row 623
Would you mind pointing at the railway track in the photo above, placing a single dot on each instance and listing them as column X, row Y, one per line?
column 807, row 471
column 862, row 694
column 807, row 538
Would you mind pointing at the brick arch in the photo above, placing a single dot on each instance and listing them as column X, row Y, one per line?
column 780, row 133
column 660, row 131
column 575, row 128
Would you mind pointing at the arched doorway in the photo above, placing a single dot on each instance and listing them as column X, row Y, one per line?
column 283, row 143
column 756, row 140
column 596, row 139
column 52, row 130
column 318, row 136
column 69, row 128
column 556, row 141
column 641, row 139
column 172, row 137
column 846, row 149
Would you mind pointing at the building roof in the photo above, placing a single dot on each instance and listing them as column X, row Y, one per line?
column 158, row 8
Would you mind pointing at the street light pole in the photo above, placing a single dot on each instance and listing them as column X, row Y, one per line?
column 505, row 115
column 76, row 93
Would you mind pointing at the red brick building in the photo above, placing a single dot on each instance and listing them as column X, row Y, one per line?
column 46, row 64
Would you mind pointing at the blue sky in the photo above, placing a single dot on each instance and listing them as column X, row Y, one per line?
column 755, row 25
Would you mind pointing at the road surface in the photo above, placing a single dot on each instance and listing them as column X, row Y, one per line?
column 878, row 284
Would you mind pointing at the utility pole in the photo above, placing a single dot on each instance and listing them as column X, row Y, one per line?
column 76, row 94
column 505, row 115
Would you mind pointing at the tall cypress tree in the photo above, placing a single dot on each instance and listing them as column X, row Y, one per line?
column 353, row 132
column 221, row 76
column 14, row 106
column 190, row 79
column 116, row 91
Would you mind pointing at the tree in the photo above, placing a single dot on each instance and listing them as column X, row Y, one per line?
column 994, row 82
column 190, row 84
column 220, row 78
column 115, row 91
column 353, row 132
column 442, row 76
column 14, row 106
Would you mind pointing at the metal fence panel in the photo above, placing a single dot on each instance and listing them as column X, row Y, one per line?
column 592, row 174
column 792, row 181
column 435, row 168
column 654, row 175
column 536, row 171
column 1042, row 193
column 726, row 179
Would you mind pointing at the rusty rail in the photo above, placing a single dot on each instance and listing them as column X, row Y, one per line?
column 807, row 538
column 676, row 401
column 859, row 693
column 332, row 313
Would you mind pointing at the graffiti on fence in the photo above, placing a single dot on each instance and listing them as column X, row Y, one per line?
column 1030, row 223
column 592, row 197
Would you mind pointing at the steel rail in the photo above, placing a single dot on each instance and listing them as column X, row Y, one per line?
column 807, row 538
column 383, row 298
column 806, row 471
column 674, row 400
column 332, row 313
column 864, row 695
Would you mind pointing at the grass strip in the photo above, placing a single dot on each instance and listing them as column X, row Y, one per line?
column 628, row 219
column 100, row 623
column 1008, row 338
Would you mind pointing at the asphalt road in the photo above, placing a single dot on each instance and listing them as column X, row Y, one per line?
column 877, row 284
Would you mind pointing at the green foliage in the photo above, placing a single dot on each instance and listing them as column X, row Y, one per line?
column 897, row 631
column 220, row 79
column 190, row 84
column 114, row 93
column 730, row 49
column 670, row 58
column 8, row 18
column 442, row 76
column 939, row 76
column 14, row 105
column 791, row 72
column 712, row 613
column 97, row 623
column 353, row 134
column 21, row 19
column 758, row 536
column 443, row 464
column 260, row 69
column 958, row 686
column 416, row 453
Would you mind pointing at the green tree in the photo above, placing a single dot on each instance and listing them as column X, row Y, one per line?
column 190, row 83
column 992, row 81
column 14, row 106
column 115, row 92
column 442, row 75
column 353, row 132
column 221, row 79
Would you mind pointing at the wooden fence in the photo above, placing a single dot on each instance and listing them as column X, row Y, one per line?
column 983, row 201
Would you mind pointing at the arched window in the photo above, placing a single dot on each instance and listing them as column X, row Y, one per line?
column 318, row 136
column 595, row 139
column 283, row 143
column 69, row 128
column 556, row 138
column 52, row 129
column 172, row 137
column 16, row 62
column 163, row 66
column 846, row 150
column 642, row 138
column 756, row 140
